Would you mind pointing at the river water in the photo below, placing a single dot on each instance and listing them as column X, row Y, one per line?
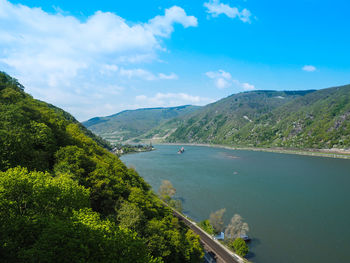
column 297, row 207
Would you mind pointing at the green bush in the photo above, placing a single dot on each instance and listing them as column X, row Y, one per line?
column 240, row 247
column 206, row 226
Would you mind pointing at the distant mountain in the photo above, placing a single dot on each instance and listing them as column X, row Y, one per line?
column 129, row 125
column 233, row 110
column 216, row 122
column 290, row 119
column 315, row 119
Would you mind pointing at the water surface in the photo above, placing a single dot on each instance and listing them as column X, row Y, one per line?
column 297, row 207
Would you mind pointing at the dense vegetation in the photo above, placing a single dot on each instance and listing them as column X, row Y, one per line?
column 305, row 119
column 64, row 198
column 129, row 125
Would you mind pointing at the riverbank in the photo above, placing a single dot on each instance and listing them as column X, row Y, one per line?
column 285, row 199
column 329, row 153
column 123, row 149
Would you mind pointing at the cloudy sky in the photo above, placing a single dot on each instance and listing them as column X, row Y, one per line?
column 96, row 58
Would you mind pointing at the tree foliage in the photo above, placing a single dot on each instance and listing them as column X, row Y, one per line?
column 217, row 221
column 130, row 216
column 240, row 247
column 74, row 201
column 206, row 226
column 236, row 228
column 166, row 193
column 48, row 219
column 176, row 204
column 166, row 190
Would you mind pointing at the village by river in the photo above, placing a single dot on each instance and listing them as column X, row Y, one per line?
column 297, row 207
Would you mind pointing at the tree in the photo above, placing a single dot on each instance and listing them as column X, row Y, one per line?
column 88, row 207
column 48, row 219
column 193, row 250
column 236, row 228
column 166, row 190
column 176, row 204
column 73, row 160
column 206, row 226
column 240, row 247
column 85, row 237
column 129, row 215
column 216, row 220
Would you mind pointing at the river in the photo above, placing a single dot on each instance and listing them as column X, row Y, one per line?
column 297, row 207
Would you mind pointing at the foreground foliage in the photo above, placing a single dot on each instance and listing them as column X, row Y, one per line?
column 74, row 201
column 48, row 219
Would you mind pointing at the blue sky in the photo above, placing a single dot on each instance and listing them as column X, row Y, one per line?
column 96, row 58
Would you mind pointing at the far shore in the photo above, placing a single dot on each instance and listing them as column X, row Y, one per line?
column 329, row 153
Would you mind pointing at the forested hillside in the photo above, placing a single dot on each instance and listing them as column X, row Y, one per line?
column 309, row 119
column 130, row 124
column 215, row 122
column 64, row 198
column 204, row 124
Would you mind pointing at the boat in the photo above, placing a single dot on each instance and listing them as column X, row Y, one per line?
column 182, row 150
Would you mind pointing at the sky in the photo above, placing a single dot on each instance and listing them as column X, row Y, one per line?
column 97, row 58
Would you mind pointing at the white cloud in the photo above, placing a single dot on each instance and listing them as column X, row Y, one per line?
column 163, row 25
column 218, row 74
column 46, row 51
column 309, row 68
column 145, row 74
column 215, row 8
column 170, row 76
column 170, row 99
column 222, row 83
column 247, row 86
column 245, row 15
column 108, row 69
column 223, row 79
column 137, row 73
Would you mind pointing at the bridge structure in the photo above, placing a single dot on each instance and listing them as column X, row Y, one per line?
column 222, row 254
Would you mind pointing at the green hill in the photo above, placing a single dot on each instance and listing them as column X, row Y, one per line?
column 290, row 119
column 233, row 110
column 129, row 125
column 64, row 198
column 230, row 114
column 311, row 119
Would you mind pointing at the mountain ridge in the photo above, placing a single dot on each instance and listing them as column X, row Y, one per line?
column 296, row 123
column 129, row 124
column 264, row 118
